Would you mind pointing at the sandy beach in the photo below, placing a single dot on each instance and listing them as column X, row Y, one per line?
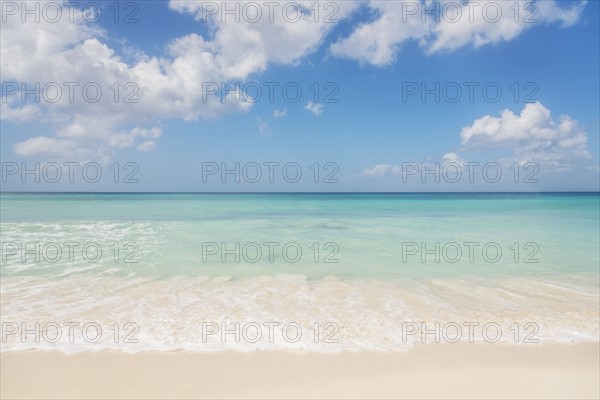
column 428, row 371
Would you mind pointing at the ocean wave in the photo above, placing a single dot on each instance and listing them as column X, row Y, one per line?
column 289, row 312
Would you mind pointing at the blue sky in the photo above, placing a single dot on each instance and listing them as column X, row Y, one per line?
column 369, row 140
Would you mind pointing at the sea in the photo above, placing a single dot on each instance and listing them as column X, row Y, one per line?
column 318, row 272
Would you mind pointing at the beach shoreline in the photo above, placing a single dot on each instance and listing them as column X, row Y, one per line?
column 458, row 370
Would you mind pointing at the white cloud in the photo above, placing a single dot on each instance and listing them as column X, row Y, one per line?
column 315, row 108
column 169, row 87
column 247, row 46
column 452, row 158
column 533, row 135
column 128, row 139
column 53, row 148
column 378, row 170
column 148, row 145
column 408, row 168
column 280, row 113
column 378, row 42
column 54, row 54
column 25, row 113
column 485, row 29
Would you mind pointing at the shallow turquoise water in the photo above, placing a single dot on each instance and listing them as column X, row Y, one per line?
column 367, row 263
column 316, row 235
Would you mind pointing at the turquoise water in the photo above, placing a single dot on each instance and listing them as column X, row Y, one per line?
column 361, row 263
column 367, row 234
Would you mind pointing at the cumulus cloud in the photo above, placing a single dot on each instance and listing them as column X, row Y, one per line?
column 314, row 108
column 533, row 134
column 248, row 45
column 58, row 149
column 25, row 113
column 378, row 41
column 498, row 21
column 74, row 75
column 171, row 86
column 474, row 23
column 148, row 145
column 409, row 168
column 380, row 170
column 151, row 89
column 452, row 158
column 128, row 139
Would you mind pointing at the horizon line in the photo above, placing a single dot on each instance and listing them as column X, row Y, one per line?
column 350, row 192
